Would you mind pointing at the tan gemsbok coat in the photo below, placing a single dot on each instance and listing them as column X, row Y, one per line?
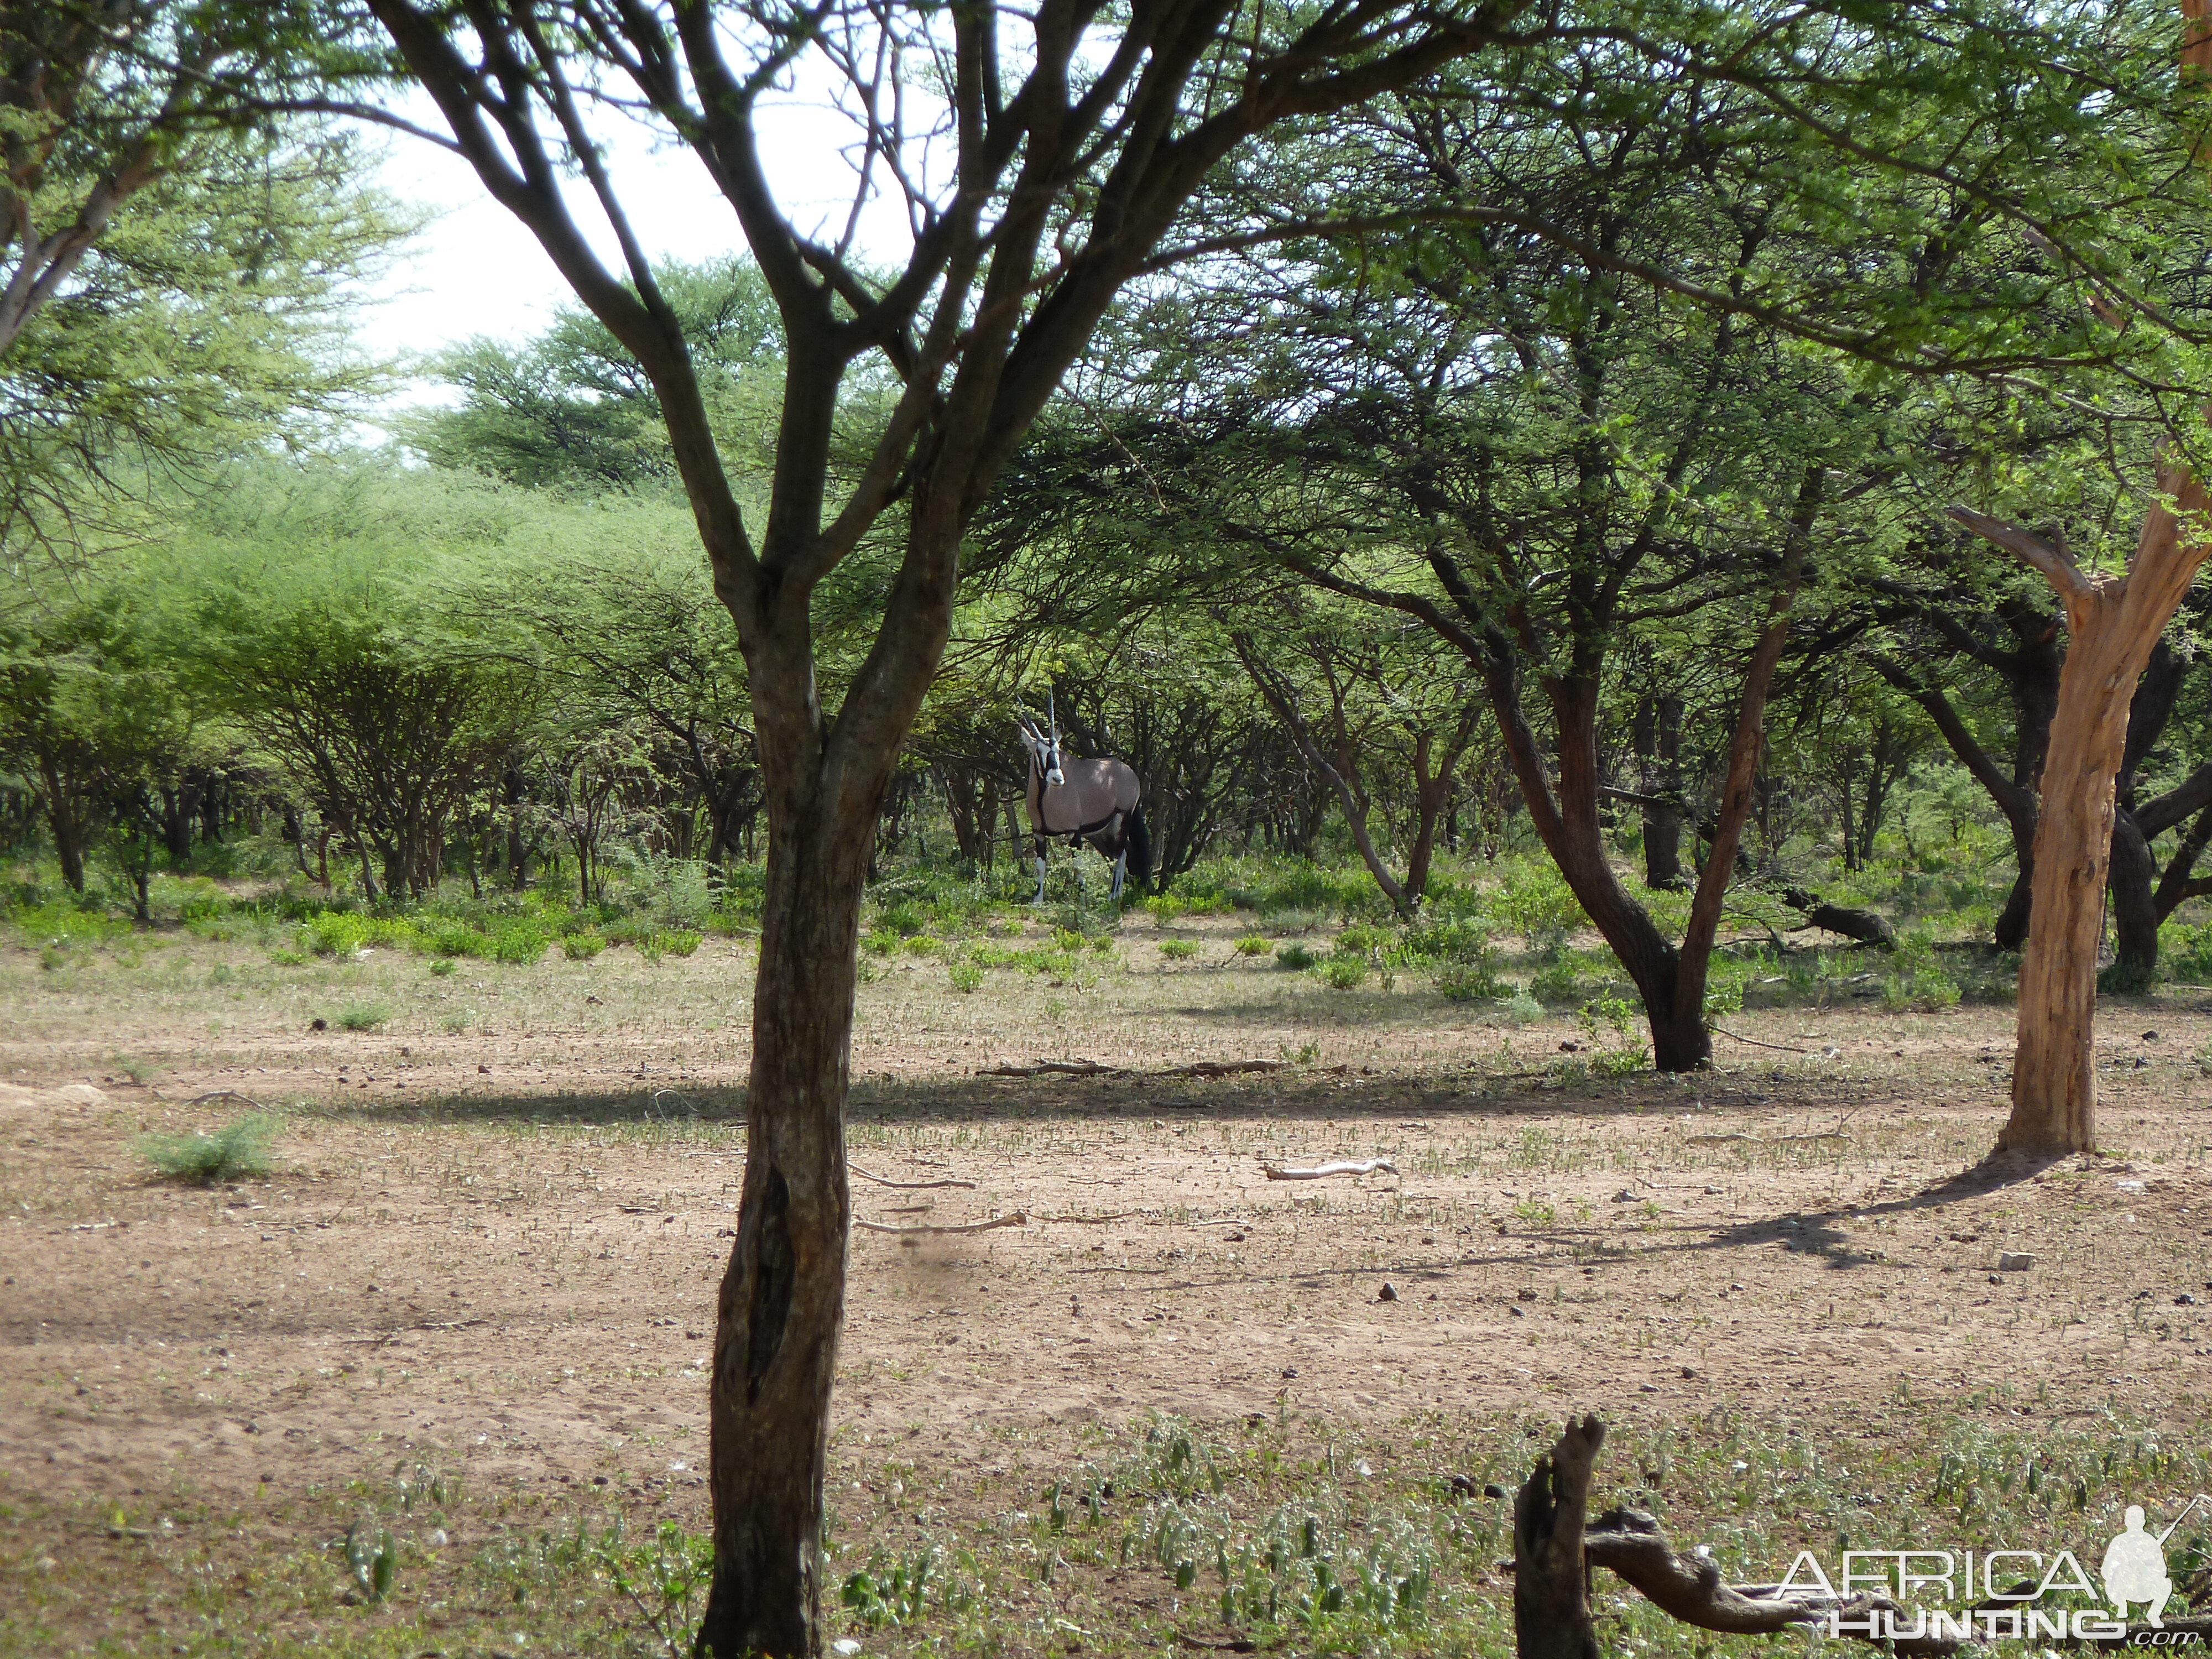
column 1093, row 801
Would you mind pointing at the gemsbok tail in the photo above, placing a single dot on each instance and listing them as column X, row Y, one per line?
column 1140, row 847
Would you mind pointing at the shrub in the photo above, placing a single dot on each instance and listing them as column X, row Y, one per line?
column 1620, row 1062
column 678, row 942
column 1523, row 1009
column 1252, row 944
column 1346, row 973
column 1291, row 921
column 924, row 944
column 239, row 1148
column 1927, row 988
column 1461, row 940
column 583, row 946
column 1555, row 982
column 442, row 967
column 882, row 942
column 1472, row 982
column 1178, row 950
column 966, row 977
column 1361, row 938
column 364, row 1016
column 2127, row 978
column 1296, row 957
column 518, row 942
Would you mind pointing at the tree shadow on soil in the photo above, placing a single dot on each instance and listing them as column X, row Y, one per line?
column 1454, row 1097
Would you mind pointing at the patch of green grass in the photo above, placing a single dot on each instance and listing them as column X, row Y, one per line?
column 1178, row 950
column 966, row 977
column 237, row 1151
column 1296, row 957
column 1346, row 973
column 584, row 945
column 1254, row 944
column 363, row 1017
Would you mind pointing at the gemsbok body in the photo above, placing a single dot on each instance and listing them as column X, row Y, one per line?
column 1092, row 800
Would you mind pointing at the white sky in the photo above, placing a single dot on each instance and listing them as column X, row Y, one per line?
column 475, row 270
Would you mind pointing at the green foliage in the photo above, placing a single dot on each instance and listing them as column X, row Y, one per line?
column 1178, row 950
column 900, row 1592
column 1471, row 981
column 1927, row 987
column 1295, row 956
column 1556, row 981
column 1521, row 1008
column 1345, row 972
column 237, row 1152
column 966, row 977
column 372, row 1557
column 1254, row 944
column 363, row 1017
column 583, row 944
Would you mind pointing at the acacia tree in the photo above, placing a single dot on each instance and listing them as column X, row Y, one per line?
column 1041, row 156
column 1367, row 708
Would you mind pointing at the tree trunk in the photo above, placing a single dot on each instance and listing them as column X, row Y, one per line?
column 1550, row 1573
column 69, row 839
column 782, row 1301
column 1659, row 749
column 2135, row 903
column 2112, row 623
column 1696, row 956
column 2011, row 930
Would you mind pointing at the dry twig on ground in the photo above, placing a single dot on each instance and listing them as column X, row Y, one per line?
column 1322, row 1171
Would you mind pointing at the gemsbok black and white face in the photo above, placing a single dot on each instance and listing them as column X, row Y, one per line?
column 1044, row 751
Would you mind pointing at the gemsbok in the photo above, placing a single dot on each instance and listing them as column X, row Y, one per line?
column 1092, row 800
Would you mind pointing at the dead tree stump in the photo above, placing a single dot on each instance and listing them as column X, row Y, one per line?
column 1550, row 1575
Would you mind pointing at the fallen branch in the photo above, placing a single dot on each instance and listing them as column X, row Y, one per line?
column 1779, row 1048
column 1631, row 1543
column 224, row 1094
column 1088, row 1220
column 394, row 1334
column 1322, row 1171
column 1064, row 1068
column 1862, row 926
column 1222, row 1067
column 905, row 1186
column 1016, row 1220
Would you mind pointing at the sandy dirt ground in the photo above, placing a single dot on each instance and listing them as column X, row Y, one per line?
column 498, row 1248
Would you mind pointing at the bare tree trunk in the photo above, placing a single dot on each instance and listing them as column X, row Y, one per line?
column 66, row 817
column 782, row 1302
column 2112, row 622
column 2135, row 902
column 1659, row 750
column 1550, row 1575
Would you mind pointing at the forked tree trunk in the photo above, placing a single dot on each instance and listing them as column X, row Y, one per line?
column 2112, row 622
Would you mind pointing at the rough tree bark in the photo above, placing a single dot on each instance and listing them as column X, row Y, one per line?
column 2112, row 623
column 1550, row 1573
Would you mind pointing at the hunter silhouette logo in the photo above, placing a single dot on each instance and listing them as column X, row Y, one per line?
column 2134, row 1568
